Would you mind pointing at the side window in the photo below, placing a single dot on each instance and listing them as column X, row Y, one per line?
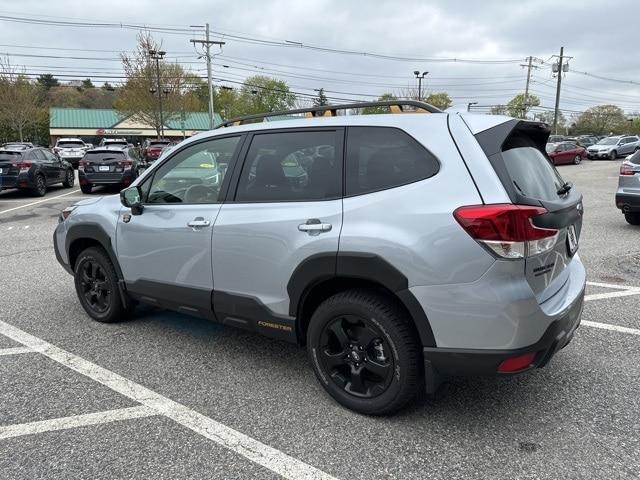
column 193, row 175
column 49, row 156
column 38, row 155
column 292, row 166
column 380, row 157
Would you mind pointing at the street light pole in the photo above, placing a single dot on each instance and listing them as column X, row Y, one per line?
column 470, row 104
column 420, row 77
column 157, row 56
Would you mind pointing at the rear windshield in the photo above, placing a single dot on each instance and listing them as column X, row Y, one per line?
column 158, row 144
column 635, row 158
column 103, row 156
column 531, row 173
column 71, row 144
column 10, row 156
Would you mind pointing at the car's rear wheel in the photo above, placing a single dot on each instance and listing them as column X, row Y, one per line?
column 69, row 179
column 365, row 352
column 632, row 218
column 577, row 160
column 613, row 155
column 96, row 284
column 40, row 187
column 86, row 188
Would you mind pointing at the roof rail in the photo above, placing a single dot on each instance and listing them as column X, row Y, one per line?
column 395, row 106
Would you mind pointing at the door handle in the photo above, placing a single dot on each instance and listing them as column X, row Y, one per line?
column 314, row 227
column 198, row 222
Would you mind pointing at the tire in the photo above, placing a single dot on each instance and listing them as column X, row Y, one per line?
column 365, row 352
column 613, row 155
column 69, row 178
column 96, row 285
column 86, row 188
column 40, row 188
column 577, row 160
column 632, row 218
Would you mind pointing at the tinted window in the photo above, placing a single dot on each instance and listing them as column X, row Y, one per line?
column 635, row 158
column 48, row 155
column 531, row 173
column 379, row 158
column 195, row 174
column 292, row 166
column 70, row 144
column 11, row 156
column 103, row 156
column 38, row 155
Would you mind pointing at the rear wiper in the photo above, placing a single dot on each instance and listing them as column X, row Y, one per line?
column 565, row 188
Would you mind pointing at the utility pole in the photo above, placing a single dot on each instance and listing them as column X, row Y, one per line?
column 157, row 56
column 555, row 113
column 207, row 46
column 526, row 89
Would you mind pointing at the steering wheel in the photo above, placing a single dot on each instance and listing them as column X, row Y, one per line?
column 198, row 194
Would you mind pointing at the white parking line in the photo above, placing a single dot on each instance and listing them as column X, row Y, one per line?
column 258, row 452
column 38, row 202
column 608, row 326
column 601, row 296
column 612, row 285
column 14, row 350
column 75, row 421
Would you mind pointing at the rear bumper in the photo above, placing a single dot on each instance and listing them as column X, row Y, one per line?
column 22, row 180
column 96, row 178
column 446, row 362
column 628, row 202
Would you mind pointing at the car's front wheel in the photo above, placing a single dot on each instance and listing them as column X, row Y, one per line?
column 613, row 155
column 632, row 218
column 365, row 352
column 96, row 284
column 69, row 178
column 577, row 160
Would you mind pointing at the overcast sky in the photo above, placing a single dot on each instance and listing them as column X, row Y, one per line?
column 592, row 32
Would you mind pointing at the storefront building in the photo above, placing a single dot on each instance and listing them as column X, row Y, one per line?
column 94, row 124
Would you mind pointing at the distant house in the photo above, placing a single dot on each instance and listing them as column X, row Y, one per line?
column 93, row 124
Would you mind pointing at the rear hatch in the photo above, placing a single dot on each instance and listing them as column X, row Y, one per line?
column 629, row 179
column 7, row 162
column 104, row 163
column 516, row 150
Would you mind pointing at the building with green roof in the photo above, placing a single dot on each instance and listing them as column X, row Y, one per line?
column 93, row 124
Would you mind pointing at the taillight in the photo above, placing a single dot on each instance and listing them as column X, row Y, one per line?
column 81, row 165
column 125, row 163
column 626, row 169
column 23, row 165
column 507, row 230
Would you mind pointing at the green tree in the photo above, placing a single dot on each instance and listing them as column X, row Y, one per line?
column 518, row 107
column 321, row 100
column 260, row 94
column 440, row 100
column 376, row 110
column 46, row 80
column 499, row 110
column 602, row 120
column 547, row 117
column 20, row 100
column 86, row 83
column 139, row 97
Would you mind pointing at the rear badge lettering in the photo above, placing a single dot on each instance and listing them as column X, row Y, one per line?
column 544, row 269
column 276, row 326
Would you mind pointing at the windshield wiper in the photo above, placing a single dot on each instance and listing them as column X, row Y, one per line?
column 565, row 188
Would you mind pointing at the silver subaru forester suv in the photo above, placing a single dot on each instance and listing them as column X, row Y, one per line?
column 399, row 249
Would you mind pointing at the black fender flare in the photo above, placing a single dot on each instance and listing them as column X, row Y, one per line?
column 92, row 231
column 357, row 265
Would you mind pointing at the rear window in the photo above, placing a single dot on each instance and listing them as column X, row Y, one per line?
column 102, row 156
column 70, row 144
column 531, row 173
column 635, row 158
column 158, row 144
column 10, row 156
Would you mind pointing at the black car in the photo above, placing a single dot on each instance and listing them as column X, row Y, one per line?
column 108, row 166
column 33, row 169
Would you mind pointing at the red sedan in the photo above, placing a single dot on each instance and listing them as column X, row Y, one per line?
column 565, row 153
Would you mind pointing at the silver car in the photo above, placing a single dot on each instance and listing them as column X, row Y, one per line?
column 414, row 248
column 614, row 147
column 628, row 194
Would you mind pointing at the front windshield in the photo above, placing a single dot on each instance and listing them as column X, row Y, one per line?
column 608, row 141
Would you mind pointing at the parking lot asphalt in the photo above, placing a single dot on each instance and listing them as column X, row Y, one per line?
column 169, row 396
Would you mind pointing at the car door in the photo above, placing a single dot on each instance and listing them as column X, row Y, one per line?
column 625, row 146
column 55, row 165
column 286, row 211
column 165, row 252
column 563, row 156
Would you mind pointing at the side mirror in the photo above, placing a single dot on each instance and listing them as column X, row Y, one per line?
column 132, row 198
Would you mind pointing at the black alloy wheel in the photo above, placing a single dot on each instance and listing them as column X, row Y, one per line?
column 69, row 178
column 355, row 356
column 40, row 188
column 95, row 286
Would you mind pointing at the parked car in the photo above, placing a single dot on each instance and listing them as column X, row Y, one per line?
column 108, row 166
column 586, row 140
column 151, row 149
column 556, row 138
column 17, row 145
column 628, row 193
column 565, row 153
column 114, row 142
column 70, row 149
column 33, row 169
column 421, row 246
column 614, row 147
